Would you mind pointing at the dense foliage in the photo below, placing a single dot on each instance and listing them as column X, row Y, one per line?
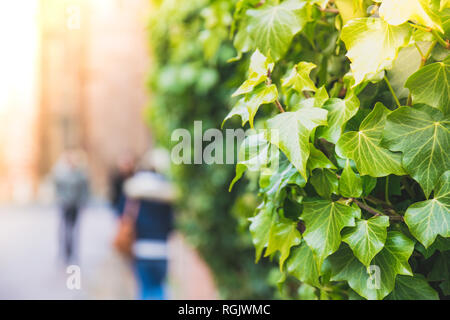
column 190, row 75
column 356, row 97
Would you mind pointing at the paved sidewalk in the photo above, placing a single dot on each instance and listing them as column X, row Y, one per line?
column 29, row 264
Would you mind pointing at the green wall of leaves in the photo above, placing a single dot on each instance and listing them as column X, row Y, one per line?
column 191, row 80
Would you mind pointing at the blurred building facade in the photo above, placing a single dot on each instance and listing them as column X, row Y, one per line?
column 85, row 89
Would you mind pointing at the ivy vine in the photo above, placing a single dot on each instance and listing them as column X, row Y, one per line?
column 357, row 94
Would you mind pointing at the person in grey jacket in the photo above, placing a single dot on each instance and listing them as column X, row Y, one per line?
column 71, row 191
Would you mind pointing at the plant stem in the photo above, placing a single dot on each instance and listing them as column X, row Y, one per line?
column 420, row 27
column 408, row 188
column 376, row 201
column 331, row 10
column 386, row 192
column 392, row 91
column 279, row 106
column 376, row 212
column 269, row 82
column 428, row 54
column 420, row 51
column 361, row 88
column 409, row 102
column 369, row 209
column 445, row 44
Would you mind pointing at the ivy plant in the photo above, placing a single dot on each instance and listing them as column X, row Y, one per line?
column 352, row 101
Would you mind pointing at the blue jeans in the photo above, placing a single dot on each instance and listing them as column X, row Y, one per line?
column 151, row 275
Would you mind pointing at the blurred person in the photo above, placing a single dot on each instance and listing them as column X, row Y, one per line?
column 71, row 191
column 148, row 205
column 124, row 169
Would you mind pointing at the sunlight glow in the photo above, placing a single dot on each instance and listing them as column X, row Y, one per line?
column 19, row 40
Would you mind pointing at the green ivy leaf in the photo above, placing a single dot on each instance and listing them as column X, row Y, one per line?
column 350, row 185
column 444, row 4
column 408, row 61
column 260, row 227
column 376, row 283
column 257, row 73
column 248, row 107
column 339, row 112
column 372, row 46
column 325, row 182
column 239, row 109
column 441, row 244
column 301, row 265
column 324, row 221
column 431, row 85
column 412, row 288
column 282, row 236
column 299, row 78
column 290, row 132
column 368, row 184
column 364, row 147
column 397, row 12
column 320, row 97
column 445, row 18
column 321, row 3
column 367, row 238
column 428, row 219
column 318, row 160
column 284, row 175
column 272, row 27
column 441, row 272
column 422, row 134
column 350, row 9
column 253, row 154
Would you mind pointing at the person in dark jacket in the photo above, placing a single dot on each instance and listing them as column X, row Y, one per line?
column 124, row 170
column 154, row 222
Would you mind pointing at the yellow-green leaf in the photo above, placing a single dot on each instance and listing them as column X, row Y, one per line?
column 350, row 9
column 299, row 78
column 257, row 73
column 373, row 46
column 397, row 12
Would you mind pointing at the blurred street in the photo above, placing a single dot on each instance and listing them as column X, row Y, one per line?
column 73, row 101
column 29, row 265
